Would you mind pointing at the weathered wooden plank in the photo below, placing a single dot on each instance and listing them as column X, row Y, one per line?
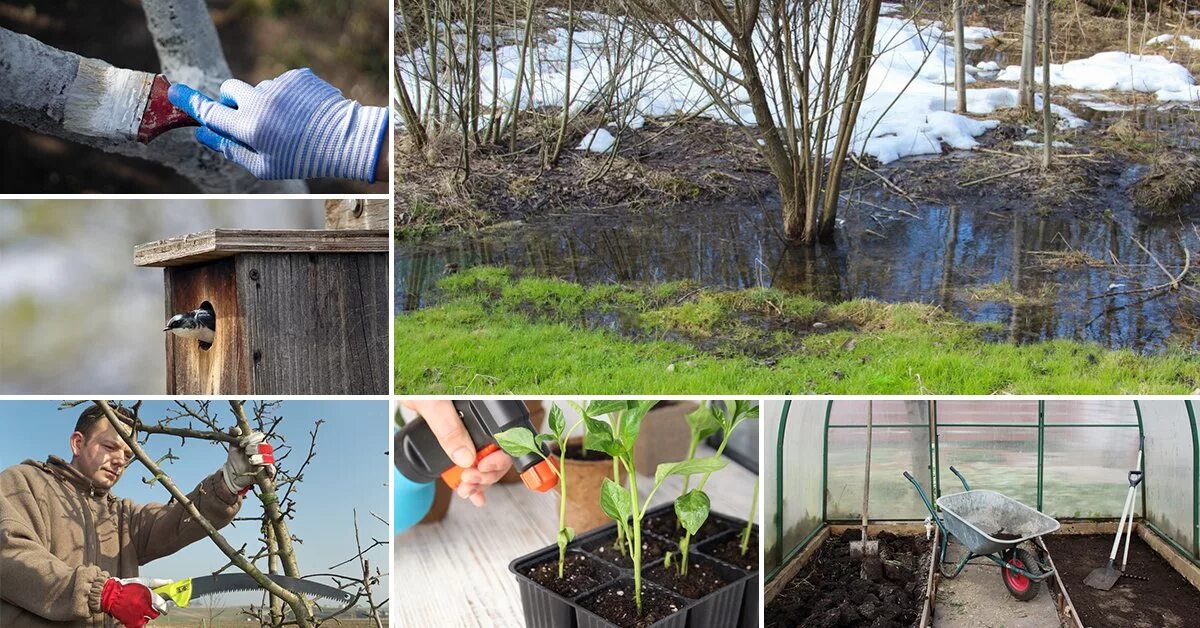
column 357, row 213
column 221, row 243
column 221, row 369
column 315, row 324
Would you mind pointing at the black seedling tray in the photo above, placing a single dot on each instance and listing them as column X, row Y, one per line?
column 735, row 604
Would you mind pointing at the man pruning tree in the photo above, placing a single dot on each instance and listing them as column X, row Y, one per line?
column 70, row 550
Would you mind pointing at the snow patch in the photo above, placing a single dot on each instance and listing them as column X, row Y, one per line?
column 1113, row 70
column 597, row 141
column 1191, row 42
column 1056, row 144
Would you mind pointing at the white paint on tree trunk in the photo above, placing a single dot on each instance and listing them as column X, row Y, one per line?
column 105, row 101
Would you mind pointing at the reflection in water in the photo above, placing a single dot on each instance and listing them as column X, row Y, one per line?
column 943, row 257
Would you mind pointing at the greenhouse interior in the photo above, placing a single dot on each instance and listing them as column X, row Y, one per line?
column 982, row 512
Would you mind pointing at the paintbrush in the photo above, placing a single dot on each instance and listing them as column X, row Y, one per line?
column 115, row 103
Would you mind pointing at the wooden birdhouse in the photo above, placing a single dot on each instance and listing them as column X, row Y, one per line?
column 298, row 312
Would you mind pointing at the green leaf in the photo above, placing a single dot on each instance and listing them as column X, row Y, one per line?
column 602, row 407
column 543, row 438
column 631, row 422
column 614, row 501
column 702, row 423
column 692, row 509
column 688, row 467
column 557, row 422
column 598, row 435
column 744, row 410
column 517, row 441
column 565, row 536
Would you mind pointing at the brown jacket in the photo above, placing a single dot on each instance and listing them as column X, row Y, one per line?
column 61, row 539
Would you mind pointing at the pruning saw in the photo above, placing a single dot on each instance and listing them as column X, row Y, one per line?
column 182, row 592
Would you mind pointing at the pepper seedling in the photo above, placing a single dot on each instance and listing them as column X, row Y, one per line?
column 595, row 410
column 623, row 504
column 692, row 507
column 750, row 519
column 519, row 441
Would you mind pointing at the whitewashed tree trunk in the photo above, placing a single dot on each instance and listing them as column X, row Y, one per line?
column 1048, row 149
column 960, row 58
column 34, row 78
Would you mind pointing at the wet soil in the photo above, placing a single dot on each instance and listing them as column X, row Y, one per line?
column 829, row 592
column 730, row 551
column 580, row 575
column 617, row 605
column 652, row 550
column 701, row 579
column 1165, row 600
column 665, row 525
column 257, row 45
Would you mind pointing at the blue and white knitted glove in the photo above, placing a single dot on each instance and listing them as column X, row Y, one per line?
column 295, row 126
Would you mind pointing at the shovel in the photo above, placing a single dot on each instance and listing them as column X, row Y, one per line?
column 1103, row 578
column 867, row 550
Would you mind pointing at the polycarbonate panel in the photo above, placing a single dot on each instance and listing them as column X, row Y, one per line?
column 895, row 450
column 885, row 412
column 998, row 459
column 1005, row 411
column 802, row 443
column 1085, row 470
column 1169, row 469
column 1116, row 411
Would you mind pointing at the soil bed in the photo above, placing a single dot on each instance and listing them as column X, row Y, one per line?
column 1165, row 600
column 701, row 579
column 829, row 592
column 664, row 525
column 580, row 575
column 730, row 551
column 652, row 550
column 617, row 606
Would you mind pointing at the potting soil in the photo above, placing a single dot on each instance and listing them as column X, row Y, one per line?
column 652, row 550
column 1164, row 600
column 828, row 592
column 730, row 551
column 617, row 605
column 580, row 575
column 701, row 578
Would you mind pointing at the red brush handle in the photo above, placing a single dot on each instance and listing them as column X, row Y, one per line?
column 160, row 115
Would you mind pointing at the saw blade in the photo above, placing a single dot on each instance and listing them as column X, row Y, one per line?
column 226, row 583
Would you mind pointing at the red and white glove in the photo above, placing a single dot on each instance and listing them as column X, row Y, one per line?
column 131, row 602
column 249, row 455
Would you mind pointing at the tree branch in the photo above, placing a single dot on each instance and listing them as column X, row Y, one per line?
column 298, row 605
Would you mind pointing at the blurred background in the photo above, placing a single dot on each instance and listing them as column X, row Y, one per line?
column 77, row 314
column 345, row 42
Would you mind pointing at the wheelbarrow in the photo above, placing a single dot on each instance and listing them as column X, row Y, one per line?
column 992, row 526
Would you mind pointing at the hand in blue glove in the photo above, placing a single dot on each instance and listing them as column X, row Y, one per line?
column 295, row 126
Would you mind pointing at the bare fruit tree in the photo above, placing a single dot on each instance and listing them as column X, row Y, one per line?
column 801, row 67
column 192, row 421
column 34, row 78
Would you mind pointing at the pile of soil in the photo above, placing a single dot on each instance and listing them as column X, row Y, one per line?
column 702, row 578
column 1165, row 600
column 829, row 592
column 730, row 551
column 580, row 575
column 617, row 605
column 652, row 550
column 664, row 525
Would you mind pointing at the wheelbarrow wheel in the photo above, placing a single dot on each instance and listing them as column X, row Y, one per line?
column 1019, row 585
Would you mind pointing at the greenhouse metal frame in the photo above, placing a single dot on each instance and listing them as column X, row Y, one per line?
column 929, row 435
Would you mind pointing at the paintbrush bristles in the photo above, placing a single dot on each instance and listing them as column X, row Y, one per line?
column 105, row 101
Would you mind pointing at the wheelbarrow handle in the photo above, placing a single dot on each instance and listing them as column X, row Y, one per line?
column 960, row 478
column 924, row 500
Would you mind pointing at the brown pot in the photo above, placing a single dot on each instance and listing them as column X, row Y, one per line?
column 537, row 416
column 663, row 437
column 442, row 496
column 584, row 479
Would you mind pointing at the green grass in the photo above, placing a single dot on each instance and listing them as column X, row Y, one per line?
column 494, row 333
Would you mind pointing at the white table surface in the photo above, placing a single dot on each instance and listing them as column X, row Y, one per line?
column 455, row 572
